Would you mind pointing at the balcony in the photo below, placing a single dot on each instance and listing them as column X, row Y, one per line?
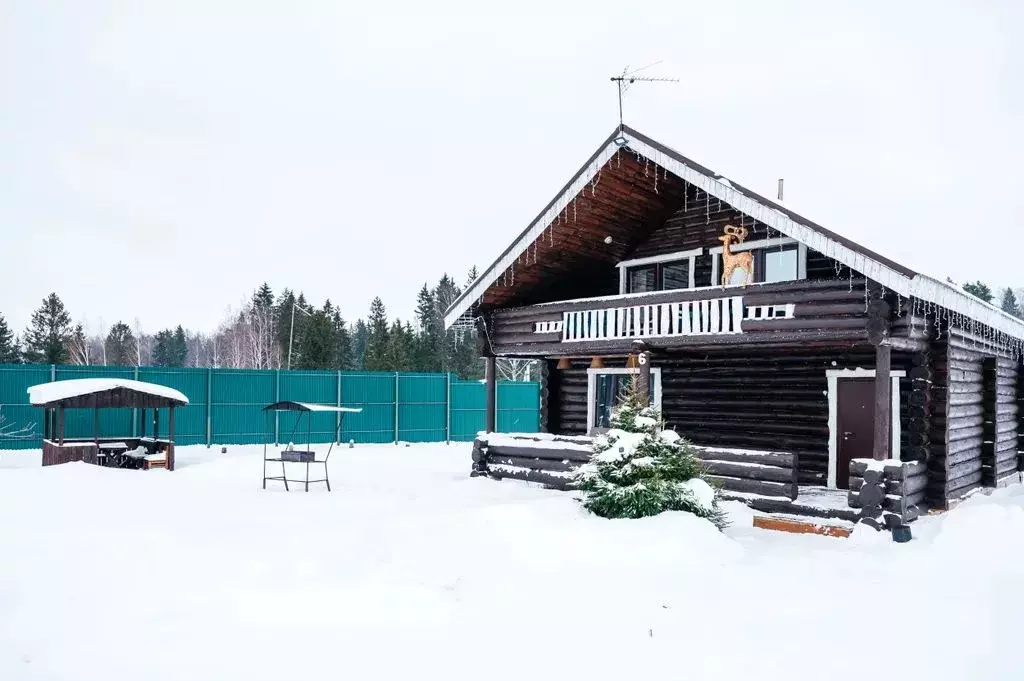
column 790, row 312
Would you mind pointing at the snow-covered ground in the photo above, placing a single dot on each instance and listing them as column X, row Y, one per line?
column 410, row 569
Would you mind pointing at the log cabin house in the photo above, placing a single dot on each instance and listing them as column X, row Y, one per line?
column 829, row 354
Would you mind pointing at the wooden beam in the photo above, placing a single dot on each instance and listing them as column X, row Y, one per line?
column 170, row 436
column 883, row 401
column 491, row 400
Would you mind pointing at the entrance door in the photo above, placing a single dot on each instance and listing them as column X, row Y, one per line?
column 856, row 425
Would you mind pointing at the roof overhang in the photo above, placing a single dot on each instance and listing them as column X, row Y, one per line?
column 888, row 273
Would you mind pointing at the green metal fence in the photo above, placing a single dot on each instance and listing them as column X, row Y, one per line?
column 225, row 405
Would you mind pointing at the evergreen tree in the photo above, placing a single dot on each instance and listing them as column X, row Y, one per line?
column 179, row 348
column 121, row 346
column 399, row 349
column 282, row 318
column 375, row 355
column 639, row 469
column 162, row 342
column 360, row 337
column 9, row 351
column 264, row 297
column 318, row 345
column 471, row 277
column 46, row 339
column 1009, row 302
column 979, row 289
column 343, row 341
column 429, row 345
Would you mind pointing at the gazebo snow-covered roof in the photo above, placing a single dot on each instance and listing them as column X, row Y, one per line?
column 91, row 393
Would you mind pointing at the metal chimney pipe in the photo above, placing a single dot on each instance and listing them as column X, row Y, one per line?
column 780, row 188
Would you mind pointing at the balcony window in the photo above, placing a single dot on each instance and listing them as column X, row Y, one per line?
column 665, row 272
column 643, row 279
column 776, row 264
column 675, row 275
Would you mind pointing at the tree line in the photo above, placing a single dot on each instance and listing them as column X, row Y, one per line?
column 1008, row 298
column 268, row 331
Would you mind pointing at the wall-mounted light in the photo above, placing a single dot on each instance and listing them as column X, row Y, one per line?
column 597, row 363
column 608, row 240
column 563, row 364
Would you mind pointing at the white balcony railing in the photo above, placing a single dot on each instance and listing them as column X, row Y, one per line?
column 691, row 318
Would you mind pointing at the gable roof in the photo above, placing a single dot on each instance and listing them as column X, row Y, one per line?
column 872, row 265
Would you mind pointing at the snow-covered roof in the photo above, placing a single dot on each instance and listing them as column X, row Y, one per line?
column 47, row 393
column 289, row 405
column 894, row 276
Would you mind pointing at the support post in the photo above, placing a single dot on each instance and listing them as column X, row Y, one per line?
column 448, row 407
column 96, row 425
column 337, row 420
column 277, row 394
column 156, row 423
column 883, row 402
column 396, row 407
column 60, row 426
column 878, row 324
column 170, row 437
column 142, row 421
column 491, row 399
column 135, row 410
column 643, row 364
column 209, row 407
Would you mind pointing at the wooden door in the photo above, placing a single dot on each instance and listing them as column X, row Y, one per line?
column 856, row 425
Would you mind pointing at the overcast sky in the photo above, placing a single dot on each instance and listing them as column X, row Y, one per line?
column 160, row 160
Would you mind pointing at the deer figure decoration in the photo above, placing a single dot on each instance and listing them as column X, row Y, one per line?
column 730, row 261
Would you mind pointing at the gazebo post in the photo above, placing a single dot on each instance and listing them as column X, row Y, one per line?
column 156, row 423
column 170, row 436
column 60, row 426
column 96, row 425
column 142, row 416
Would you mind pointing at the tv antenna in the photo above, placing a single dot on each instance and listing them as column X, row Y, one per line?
column 629, row 77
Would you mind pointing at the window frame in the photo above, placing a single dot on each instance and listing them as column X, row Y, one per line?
column 759, row 245
column 592, row 375
column 659, row 261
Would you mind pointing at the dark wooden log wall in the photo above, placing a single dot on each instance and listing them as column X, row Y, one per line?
column 974, row 434
column 745, row 398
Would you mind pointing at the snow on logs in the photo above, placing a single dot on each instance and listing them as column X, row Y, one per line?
column 889, row 492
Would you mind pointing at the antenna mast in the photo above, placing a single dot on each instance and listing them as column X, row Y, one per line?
column 628, row 78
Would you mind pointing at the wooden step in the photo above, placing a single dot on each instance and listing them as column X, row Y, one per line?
column 797, row 526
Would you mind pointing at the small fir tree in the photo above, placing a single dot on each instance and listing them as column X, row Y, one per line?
column 640, row 469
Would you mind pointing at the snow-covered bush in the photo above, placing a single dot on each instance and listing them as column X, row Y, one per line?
column 639, row 469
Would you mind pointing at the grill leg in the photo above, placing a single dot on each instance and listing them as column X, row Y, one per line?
column 307, row 476
column 284, row 476
column 327, row 478
column 264, row 473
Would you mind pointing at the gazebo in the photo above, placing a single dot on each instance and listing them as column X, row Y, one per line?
column 143, row 451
